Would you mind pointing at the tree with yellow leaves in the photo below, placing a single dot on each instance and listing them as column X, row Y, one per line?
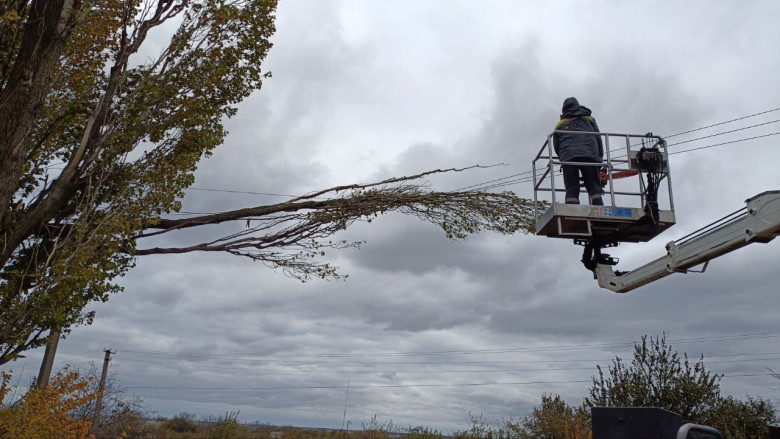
column 44, row 413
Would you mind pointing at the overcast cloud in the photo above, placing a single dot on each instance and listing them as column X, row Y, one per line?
column 426, row 330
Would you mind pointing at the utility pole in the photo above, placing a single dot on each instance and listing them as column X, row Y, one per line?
column 345, row 410
column 48, row 359
column 102, row 387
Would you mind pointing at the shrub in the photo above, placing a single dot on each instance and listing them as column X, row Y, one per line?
column 422, row 433
column 119, row 413
column 45, row 413
column 182, row 423
column 228, row 428
column 741, row 419
column 481, row 429
column 554, row 419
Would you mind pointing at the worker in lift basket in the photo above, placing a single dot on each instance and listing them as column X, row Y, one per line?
column 581, row 148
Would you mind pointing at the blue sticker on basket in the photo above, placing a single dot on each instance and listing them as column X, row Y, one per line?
column 616, row 211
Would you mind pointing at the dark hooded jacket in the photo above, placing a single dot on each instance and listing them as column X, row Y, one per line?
column 576, row 117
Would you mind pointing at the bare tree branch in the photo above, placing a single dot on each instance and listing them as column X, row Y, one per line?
column 292, row 234
column 98, row 145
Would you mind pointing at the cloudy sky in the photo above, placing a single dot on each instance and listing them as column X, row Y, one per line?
column 425, row 330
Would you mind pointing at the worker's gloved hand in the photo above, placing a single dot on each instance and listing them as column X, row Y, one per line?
column 603, row 176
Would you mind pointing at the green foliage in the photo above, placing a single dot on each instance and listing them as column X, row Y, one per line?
column 374, row 429
column 657, row 377
column 102, row 145
column 741, row 419
column 421, row 432
column 482, row 429
column 228, row 428
column 554, row 419
column 182, row 423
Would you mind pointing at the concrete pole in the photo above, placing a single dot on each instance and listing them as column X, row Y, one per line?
column 44, row 375
column 102, row 386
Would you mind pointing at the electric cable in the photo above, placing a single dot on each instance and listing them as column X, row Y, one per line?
column 525, row 177
column 722, row 123
column 481, row 186
column 190, row 365
column 723, row 133
column 363, row 386
column 552, row 348
column 413, row 385
column 725, row 143
column 528, row 179
column 240, row 192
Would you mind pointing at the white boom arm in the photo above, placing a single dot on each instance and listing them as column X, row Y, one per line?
column 759, row 221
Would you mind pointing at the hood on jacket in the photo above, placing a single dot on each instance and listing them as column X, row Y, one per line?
column 569, row 104
column 572, row 108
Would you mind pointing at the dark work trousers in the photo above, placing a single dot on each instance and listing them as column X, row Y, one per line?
column 590, row 174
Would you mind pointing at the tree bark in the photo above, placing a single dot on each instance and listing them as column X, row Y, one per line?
column 46, row 32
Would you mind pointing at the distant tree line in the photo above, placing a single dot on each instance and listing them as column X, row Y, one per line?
column 657, row 376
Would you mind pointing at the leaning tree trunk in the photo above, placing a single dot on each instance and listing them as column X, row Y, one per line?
column 47, row 28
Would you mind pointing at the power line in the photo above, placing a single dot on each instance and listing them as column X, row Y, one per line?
column 491, row 181
column 480, row 186
column 421, row 371
column 724, row 132
column 714, row 125
column 191, row 213
column 548, row 348
column 364, row 386
column 525, row 177
column 309, row 362
column 723, row 123
column 380, row 386
column 725, row 143
column 373, row 371
column 241, row 192
column 403, row 354
column 530, row 178
column 707, row 360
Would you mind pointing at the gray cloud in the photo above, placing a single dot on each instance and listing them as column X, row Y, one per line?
column 365, row 92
